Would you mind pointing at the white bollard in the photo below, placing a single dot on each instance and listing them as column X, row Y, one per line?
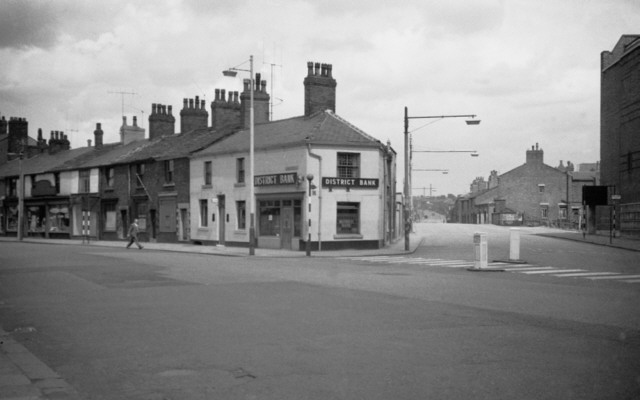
column 514, row 244
column 480, row 244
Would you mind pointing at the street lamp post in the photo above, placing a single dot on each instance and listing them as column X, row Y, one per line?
column 21, row 195
column 252, row 226
column 407, row 166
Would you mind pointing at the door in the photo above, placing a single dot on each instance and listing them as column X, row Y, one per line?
column 222, row 219
column 184, row 227
column 286, row 233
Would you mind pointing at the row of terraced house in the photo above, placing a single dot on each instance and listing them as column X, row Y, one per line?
column 318, row 178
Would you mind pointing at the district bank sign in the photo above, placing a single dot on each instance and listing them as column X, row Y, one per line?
column 350, row 182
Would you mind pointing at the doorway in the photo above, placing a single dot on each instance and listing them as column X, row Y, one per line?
column 222, row 219
column 287, row 228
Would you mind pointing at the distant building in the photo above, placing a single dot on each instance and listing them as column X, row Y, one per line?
column 620, row 127
column 532, row 194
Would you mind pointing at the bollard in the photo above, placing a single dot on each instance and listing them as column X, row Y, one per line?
column 514, row 244
column 482, row 255
column 480, row 244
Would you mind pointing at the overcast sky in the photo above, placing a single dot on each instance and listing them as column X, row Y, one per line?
column 529, row 69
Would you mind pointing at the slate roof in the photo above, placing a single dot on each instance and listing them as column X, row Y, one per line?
column 322, row 128
column 162, row 148
column 41, row 163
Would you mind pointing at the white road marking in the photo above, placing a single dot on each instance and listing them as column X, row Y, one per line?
column 585, row 274
column 552, row 271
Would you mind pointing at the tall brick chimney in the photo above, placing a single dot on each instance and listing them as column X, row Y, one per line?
column 18, row 133
column 319, row 89
column 535, row 155
column 260, row 101
column 161, row 121
column 98, row 135
column 193, row 115
column 225, row 113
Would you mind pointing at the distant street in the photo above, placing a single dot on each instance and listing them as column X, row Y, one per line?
column 152, row 325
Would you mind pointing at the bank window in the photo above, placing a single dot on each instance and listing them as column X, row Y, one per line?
column 207, row 172
column 109, row 173
column 348, row 165
column 348, row 218
column 85, row 181
column 241, row 212
column 168, row 171
column 269, row 222
column 139, row 174
column 240, row 170
column 204, row 213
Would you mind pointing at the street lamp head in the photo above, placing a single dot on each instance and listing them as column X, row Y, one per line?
column 309, row 177
column 473, row 122
column 230, row 72
column 474, row 154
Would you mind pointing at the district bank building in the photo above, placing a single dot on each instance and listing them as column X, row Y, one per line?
column 317, row 178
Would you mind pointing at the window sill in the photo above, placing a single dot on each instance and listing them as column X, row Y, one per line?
column 207, row 186
column 348, row 236
column 169, row 185
column 242, row 184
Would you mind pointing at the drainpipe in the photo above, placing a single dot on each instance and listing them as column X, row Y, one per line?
column 319, row 158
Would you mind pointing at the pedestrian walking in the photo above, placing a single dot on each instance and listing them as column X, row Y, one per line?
column 133, row 234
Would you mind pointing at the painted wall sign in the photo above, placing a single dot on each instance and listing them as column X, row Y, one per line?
column 351, row 182
column 43, row 188
column 290, row 178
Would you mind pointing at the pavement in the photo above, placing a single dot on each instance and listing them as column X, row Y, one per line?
column 24, row 377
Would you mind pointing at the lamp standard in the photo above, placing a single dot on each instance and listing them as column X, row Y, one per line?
column 407, row 166
column 252, row 228
column 21, row 194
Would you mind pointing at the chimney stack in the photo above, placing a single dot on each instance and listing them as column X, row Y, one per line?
column 319, row 89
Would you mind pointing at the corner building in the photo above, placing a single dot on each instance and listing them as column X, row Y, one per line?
column 317, row 178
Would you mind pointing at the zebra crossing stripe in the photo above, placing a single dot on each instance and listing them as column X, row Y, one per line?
column 614, row 277
column 550, row 271
column 585, row 274
column 526, row 269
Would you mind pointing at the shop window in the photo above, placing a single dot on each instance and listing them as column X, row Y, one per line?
column 241, row 212
column 348, row 165
column 207, row 173
column 110, row 217
column 168, row 171
column 12, row 219
column 109, row 174
column 348, row 218
column 204, row 212
column 58, row 218
column 85, row 181
column 240, row 170
column 36, row 219
column 269, row 219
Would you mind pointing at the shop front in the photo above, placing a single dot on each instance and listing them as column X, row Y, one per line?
column 279, row 211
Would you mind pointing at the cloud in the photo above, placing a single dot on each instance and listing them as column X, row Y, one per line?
column 28, row 24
